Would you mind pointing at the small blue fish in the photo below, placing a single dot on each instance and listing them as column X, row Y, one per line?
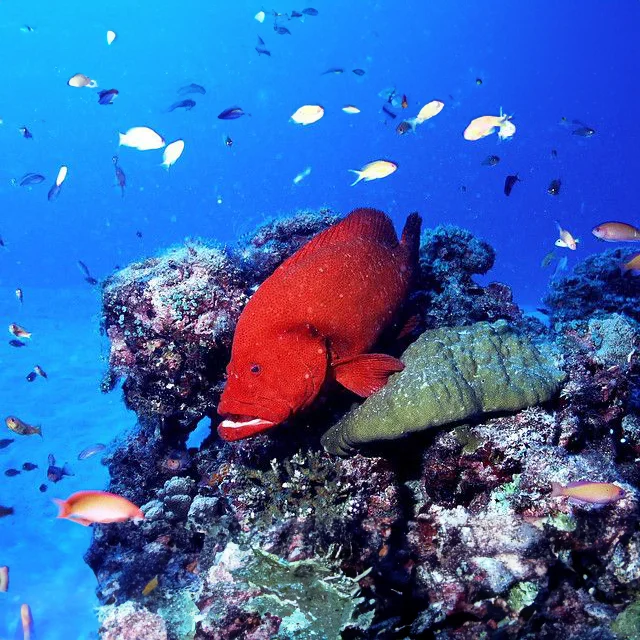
column 191, row 88
column 54, row 192
column 107, row 96
column 29, row 179
column 187, row 105
column 232, row 113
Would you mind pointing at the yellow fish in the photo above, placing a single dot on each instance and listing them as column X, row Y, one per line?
column 374, row 171
column 483, row 126
column 151, row 585
column 566, row 239
column 429, row 110
column 22, row 428
column 308, row 114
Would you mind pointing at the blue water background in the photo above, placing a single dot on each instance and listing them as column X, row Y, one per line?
column 540, row 61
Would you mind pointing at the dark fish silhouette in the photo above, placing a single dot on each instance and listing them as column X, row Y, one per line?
column 191, row 88
column 554, row 188
column 261, row 48
column 509, row 183
column 358, row 72
column 283, row 31
column 490, row 161
column 5, row 511
column 584, row 132
column 389, row 112
column 31, row 376
column 29, row 179
column 54, row 192
column 29, row 466
column 232, row 113
column 334, row 70
column 17, row 343
column 310, row 11
column 187, row 105
column 121, row 178
column 107, row 96
column 55, row 474
column 87, row 275
column 12, row 473
column 5, row 442
column 25, row 133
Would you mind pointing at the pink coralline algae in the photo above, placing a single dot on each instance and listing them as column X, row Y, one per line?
column 131, row 622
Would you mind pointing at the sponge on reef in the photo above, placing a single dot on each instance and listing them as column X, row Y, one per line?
column 451, row 374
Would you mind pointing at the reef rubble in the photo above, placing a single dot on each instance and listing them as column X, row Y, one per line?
column 452, row 533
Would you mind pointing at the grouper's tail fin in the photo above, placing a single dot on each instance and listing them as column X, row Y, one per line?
column 411, row 237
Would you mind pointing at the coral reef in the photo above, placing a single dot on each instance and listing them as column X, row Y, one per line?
column 453, row 534
column 596, row 286
column 450, row 375
column 170, row 319
column 445, row 292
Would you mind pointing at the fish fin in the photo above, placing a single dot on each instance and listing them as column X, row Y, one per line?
column 66, row 470
column 122, row 138
column 51, row 460
column 556, row 489
column 63, row 506
column 83, row 521
column 367, row 373
column 359, row 174
column 369, row 223
column 38, row 430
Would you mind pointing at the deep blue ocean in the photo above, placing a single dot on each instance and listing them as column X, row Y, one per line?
column 540, row 61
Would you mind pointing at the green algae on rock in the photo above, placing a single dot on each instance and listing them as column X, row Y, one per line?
column 451, row 374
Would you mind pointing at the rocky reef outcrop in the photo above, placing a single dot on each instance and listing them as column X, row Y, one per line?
column 451, row 534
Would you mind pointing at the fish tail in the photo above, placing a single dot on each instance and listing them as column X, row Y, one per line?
column 122, row 139
column 66, row 470
column 38, row 430
column 556, row 489
column 63, row 506
column 358, row 173
column 410, row 239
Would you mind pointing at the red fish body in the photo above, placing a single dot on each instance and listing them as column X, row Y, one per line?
column 315, row 319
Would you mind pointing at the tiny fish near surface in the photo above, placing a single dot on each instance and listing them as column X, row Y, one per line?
column 315, row 319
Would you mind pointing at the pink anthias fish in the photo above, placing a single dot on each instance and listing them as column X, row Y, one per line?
column 588, row 492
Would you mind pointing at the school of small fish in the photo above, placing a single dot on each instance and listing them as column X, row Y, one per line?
column 89, row 507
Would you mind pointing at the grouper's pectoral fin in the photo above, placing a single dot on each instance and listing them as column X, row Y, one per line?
column 367, row 373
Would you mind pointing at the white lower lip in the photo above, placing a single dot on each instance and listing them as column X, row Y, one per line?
column 256, row 422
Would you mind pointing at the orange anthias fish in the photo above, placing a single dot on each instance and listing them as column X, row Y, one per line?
column 616, row 232
column 26, row 623
column 632, row 266
column 590, row 492
column 314, row 320
column 89, row 507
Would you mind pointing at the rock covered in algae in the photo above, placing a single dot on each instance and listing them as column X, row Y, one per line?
column 451, row 374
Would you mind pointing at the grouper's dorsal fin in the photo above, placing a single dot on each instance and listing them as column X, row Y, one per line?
column 360, row 223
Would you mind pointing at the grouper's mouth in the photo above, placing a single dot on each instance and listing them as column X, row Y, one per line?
column 237, row 427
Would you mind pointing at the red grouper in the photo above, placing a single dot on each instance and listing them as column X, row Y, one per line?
column 314, row 320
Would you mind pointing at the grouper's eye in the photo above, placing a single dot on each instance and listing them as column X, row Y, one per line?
column 255, row 369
